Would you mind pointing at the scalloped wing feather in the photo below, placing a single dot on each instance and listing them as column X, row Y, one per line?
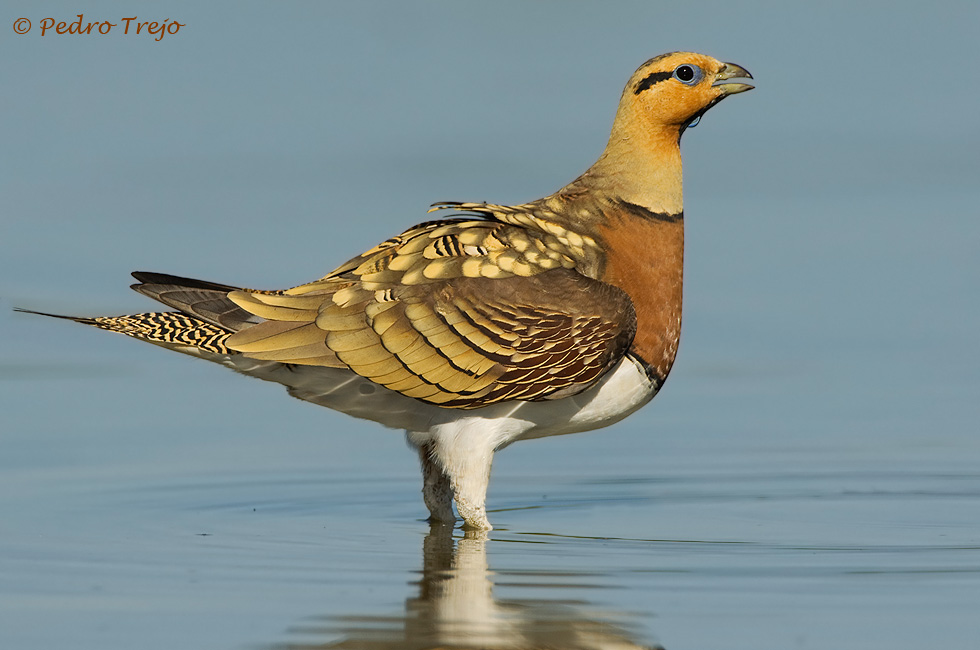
column 462, row 313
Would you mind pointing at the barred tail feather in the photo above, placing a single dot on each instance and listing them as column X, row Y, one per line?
column 336, row 388
column 169, row 329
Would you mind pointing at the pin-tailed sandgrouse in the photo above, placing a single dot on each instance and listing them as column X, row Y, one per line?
column 497, row 324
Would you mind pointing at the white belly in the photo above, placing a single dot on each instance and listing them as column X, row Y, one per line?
column 619, row 393
column 480, row 432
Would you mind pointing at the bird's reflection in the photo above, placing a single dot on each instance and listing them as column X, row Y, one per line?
column 455, row 608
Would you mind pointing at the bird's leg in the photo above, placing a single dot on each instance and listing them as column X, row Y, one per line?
column 437, row 491
column 456, row 458
column 470, row 490
column 467, row 465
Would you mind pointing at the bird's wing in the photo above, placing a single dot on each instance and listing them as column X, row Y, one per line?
column 461, row 312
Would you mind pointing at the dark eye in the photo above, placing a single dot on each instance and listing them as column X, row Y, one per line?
column 688, row 74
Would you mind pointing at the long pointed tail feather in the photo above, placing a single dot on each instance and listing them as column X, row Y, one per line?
column 336, row 388
column 170, row 329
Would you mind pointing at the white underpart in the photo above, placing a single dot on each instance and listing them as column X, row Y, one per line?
column 460, row 443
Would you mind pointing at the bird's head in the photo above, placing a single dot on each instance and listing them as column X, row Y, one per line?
column 673, row 90
column 667, row 94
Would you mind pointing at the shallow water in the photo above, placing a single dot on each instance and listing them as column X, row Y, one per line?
column 237, row 538
column 809, row 477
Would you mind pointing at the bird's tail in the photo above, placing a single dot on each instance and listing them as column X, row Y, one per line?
column 169, row 329
column 204, row 320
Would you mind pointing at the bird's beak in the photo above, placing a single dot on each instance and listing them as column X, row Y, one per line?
column 732, row 71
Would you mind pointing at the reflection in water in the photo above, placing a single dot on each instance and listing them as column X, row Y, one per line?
column 455, row 608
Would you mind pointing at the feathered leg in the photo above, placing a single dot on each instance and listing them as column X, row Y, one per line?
column 436, row 489
column 470, row 488
column 456, row 465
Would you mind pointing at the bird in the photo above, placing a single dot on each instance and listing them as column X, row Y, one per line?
column 492, row 324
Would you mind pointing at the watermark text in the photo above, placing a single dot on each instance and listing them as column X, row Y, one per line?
column 127, row 26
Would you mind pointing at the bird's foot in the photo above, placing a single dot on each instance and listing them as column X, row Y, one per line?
column 474, row 518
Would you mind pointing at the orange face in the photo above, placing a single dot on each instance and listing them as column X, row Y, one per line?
column 671, row 90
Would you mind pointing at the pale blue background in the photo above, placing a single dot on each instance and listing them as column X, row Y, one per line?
column 823, row 412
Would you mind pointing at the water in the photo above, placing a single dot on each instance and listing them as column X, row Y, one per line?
column 807, row 478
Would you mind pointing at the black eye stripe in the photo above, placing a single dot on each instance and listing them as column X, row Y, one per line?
column 650, row 79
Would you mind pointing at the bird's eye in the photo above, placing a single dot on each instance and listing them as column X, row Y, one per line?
column 688, row 74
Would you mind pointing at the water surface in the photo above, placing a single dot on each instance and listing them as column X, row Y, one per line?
column 808, row 477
